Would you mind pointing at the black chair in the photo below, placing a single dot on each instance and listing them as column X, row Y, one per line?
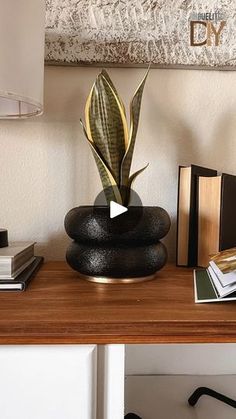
column 195, row 396
column 205, row 391
column 132, row 416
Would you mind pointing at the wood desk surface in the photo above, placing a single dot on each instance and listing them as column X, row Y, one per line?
column 60, row 307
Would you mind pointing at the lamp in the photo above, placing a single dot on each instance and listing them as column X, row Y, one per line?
column 22, row 27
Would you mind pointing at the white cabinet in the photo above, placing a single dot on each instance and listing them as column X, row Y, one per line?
column 111, row 379
column 48, row 382
column 62, row 382
column 87, row 381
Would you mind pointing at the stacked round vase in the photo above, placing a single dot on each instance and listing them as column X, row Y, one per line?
column 122, row 249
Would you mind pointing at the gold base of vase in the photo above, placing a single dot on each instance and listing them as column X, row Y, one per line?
column 105, row 280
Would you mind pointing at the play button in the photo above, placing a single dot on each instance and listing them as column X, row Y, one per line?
column 116, row 209
column 108, row 216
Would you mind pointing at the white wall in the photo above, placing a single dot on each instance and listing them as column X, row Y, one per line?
column 177, row 359
column 46, row 167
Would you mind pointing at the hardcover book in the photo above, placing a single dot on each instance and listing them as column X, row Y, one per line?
column 187, row 220
column 225, row 279
column 225, row 260
column 206, row 292
column 22, row 281
column 222, row 291
column 14, row 258
column 216, row 216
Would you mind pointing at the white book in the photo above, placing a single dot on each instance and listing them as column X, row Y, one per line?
column 222, row 291
column 224, row 278
column 18, row 272
column 13, row 257
column 23, row 279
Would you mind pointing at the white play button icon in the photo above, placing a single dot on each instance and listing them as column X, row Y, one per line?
column 116, row 209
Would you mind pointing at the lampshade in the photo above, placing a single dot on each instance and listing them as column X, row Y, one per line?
column 22, row 28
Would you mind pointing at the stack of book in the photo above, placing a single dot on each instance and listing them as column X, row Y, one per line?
column 206, row 222
column 218, row 281
column 18, row 265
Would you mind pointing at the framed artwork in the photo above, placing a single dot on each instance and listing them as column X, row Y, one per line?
column 168, row 33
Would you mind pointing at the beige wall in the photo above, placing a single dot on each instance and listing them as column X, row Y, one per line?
column 46, row 167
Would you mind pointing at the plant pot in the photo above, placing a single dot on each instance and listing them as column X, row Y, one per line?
column 123, row 249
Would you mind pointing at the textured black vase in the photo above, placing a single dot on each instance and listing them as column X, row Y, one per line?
column 123, row 249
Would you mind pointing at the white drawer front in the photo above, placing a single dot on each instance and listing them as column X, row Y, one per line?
column 48, row 382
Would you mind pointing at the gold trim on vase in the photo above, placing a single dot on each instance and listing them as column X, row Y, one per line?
column 106, row 280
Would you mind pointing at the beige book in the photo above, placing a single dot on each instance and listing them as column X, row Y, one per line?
column 209, row 207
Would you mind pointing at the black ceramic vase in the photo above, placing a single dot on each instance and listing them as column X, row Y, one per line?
column 126, row 248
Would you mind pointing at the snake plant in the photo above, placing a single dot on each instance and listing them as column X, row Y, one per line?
column 110, row 138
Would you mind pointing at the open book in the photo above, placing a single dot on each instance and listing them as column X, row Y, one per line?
column 218, row 281
column 209, row 290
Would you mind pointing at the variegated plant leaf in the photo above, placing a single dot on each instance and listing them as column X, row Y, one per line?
column 125, row 191
column 108, row 79
column 109, row 184
column 135, row 175
column 106, row 124
column 135, row 107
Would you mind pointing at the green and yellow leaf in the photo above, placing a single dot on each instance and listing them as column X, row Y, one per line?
column 109, row 184
column 106, row 124
column 108, row 79
column 109, row 138
column 135, row 107
column 125, row 191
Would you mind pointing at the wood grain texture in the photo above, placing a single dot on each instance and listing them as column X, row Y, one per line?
column 60, row 307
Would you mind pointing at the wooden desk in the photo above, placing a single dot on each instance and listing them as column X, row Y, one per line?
column 59, row 307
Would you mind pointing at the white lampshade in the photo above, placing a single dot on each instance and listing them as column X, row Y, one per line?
column 22, row 29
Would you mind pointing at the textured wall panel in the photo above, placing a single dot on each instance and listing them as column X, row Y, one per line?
column 135, row 32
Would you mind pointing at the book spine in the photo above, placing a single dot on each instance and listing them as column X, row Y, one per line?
column 227, row 237
column 208, row 218
column 193, row 223
column 177, row 227
column 22, row 258
column 194, row 207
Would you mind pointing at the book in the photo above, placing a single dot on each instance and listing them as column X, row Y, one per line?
column 221, row 291
column 216, row 215
column 18, row 271
column 187, row 213
column 223, row 265
column 225, row 260
column 23, row 280
column 205, row 290
column 14, row 258
column 225, row 279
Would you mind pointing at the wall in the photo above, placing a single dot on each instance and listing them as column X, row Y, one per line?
column 46, row 166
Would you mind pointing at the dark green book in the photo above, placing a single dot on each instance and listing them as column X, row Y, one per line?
column 204, row 290
column 21, row 282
